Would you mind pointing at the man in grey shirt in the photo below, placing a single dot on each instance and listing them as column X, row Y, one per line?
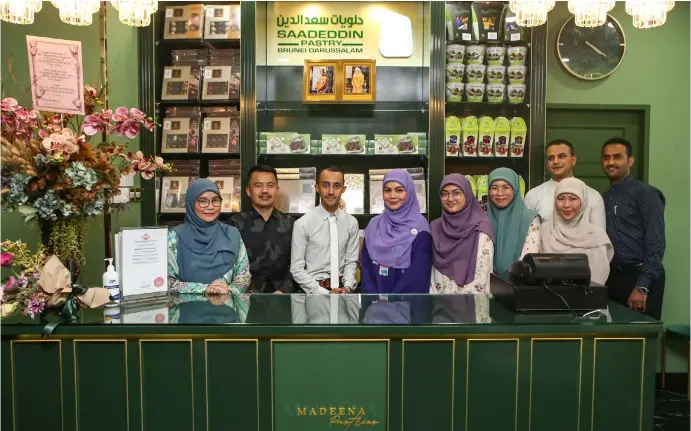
column 325, row 244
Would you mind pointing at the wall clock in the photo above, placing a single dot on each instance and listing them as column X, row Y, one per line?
column 591, row 53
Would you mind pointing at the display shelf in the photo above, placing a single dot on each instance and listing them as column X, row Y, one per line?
column 199, row 43
column 203, row 103
column 347, row 162
column 199, row 156
column 347, row 109
column 488, row 42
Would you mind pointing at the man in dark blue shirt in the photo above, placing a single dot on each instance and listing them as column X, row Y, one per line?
column 636, row 227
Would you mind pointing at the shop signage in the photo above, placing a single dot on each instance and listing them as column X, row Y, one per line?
column 57, row 80
column 298, row 31
column 342, row 416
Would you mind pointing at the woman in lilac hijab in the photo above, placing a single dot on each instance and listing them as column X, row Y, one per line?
column 463, row 241
column 397, row 251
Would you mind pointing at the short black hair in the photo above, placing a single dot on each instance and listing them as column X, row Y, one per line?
column 560, row 142
column 620, row 141
column 261, row 168
column 331, row 169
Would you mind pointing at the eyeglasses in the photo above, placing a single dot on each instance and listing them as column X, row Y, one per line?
column 503, row 189
column 455, row 195
column 204, row 202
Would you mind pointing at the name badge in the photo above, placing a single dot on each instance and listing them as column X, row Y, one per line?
column 383, row 271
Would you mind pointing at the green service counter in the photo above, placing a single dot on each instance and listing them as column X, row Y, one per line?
column 303, row 363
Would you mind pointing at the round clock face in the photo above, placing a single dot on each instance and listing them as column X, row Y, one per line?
column 591, row 53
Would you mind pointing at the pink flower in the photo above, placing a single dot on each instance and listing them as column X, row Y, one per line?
column 105, row 115
column 35, row 306
column 127, row 128
column 91, row 91
column 10, row 104
column 137, row 114
column 6, row 259
column 147, row 175
column 11, row 283
column 92, row 125
column 121, row 114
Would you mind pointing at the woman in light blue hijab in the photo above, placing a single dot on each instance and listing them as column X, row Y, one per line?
column 204, row 255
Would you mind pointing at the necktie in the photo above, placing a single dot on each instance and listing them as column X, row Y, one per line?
column 333, row 231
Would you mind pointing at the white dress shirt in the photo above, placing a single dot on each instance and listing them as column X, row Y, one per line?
column 541, row 199
column 310, row 257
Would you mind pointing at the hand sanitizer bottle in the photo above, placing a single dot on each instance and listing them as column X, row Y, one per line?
column 111, row 282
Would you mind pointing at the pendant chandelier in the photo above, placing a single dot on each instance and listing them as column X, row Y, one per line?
column 531, row 13
column 590, row 13
column 136, row 13
column 648, row 13
column 19, row 11
column 77, row 12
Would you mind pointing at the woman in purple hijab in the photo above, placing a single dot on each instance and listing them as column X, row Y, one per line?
column 397, row 251
column 463, row 241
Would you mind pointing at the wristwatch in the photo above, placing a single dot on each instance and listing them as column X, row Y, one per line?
column 642, row 290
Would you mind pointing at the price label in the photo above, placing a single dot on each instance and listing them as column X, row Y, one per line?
column 207, row 73
column 210, row 12
column 166, row 125
column 207, row 125
column 515, row 37
column 169, row 13
column 168, row 73
column 466, row 36
column 492, row 35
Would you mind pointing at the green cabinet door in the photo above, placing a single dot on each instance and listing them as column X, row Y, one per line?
column 587, row 129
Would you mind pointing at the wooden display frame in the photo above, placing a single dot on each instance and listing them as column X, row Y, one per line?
column 310, row 94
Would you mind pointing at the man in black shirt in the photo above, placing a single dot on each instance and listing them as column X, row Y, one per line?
column 635, row 214
column 266, row 233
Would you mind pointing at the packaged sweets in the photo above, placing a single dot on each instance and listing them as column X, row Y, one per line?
column 473, row 183
column 487, row 19
column 495, row 93
column 475, row 54
column 343, row 144
column 459, row 21
column 181, row 83
column 181, row 130
column 485, row 137
column 519, row 131
column 216, row 83
column 395, row 144
column 470, row 129
column 502, row 132
column 222, row 22
column 286, row 143
column 482, row 190
column 183, row 22
column 495, row 55
column 512, row 31
column 173, row 193
column 455, row 52
column 221, row 132
column 516, row 93
column 453, row 136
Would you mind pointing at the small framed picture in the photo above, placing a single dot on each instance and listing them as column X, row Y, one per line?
column 359, row 80
column 321, row 81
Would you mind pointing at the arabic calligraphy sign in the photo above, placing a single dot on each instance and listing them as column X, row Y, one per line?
column 297, row 31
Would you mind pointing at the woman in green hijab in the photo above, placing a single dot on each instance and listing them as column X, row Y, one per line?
column 516, row 228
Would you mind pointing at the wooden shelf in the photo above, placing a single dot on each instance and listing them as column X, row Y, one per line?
column 201, row 103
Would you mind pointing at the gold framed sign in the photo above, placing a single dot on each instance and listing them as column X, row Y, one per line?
column 359, row 80
column 321, row 81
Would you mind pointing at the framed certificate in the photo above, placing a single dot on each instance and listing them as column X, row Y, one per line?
column 143, row 262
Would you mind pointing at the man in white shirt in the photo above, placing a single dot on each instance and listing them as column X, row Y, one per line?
column 325, row 244
column 560, row 162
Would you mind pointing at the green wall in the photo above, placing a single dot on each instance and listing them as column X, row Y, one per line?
column 659, row 55
column 123, row 90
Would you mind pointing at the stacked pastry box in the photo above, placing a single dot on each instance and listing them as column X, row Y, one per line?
column 194, row 21
column 301, row 143
column 485, row 136
column 225, row 173
column 297, row 194
column 480, row 186
column 376, row 194
column 219, row 128
column 196, row 74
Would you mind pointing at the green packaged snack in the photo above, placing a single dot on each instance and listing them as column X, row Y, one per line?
column 287, row 143
column 482, row 190
column 453, row 136
column 502, row 132
column 459, row 21
column 473, row 183
column 344, row 144
column 487, row 19
column 519, row 131
column 469, row 128
column 521, row 181
column 395, row 144
column 485, row 137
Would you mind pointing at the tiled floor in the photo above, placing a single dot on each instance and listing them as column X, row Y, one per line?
column 671, row 411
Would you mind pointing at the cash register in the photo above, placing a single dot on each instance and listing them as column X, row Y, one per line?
column 549, row 282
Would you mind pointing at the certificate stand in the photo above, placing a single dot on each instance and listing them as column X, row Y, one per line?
column 142, row 264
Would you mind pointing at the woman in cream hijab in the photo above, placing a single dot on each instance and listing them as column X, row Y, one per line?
column 571, row 232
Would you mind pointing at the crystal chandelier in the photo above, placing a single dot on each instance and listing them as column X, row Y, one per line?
column 531, row 13
column 136, row 13
column 648, row 13
column 19, row 11
column 77, row 12
column 590, row 13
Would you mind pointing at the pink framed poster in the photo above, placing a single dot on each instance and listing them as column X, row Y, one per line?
column 57, row 80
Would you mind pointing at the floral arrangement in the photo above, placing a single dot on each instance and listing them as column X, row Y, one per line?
column 51, row 173
column 20, row 290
